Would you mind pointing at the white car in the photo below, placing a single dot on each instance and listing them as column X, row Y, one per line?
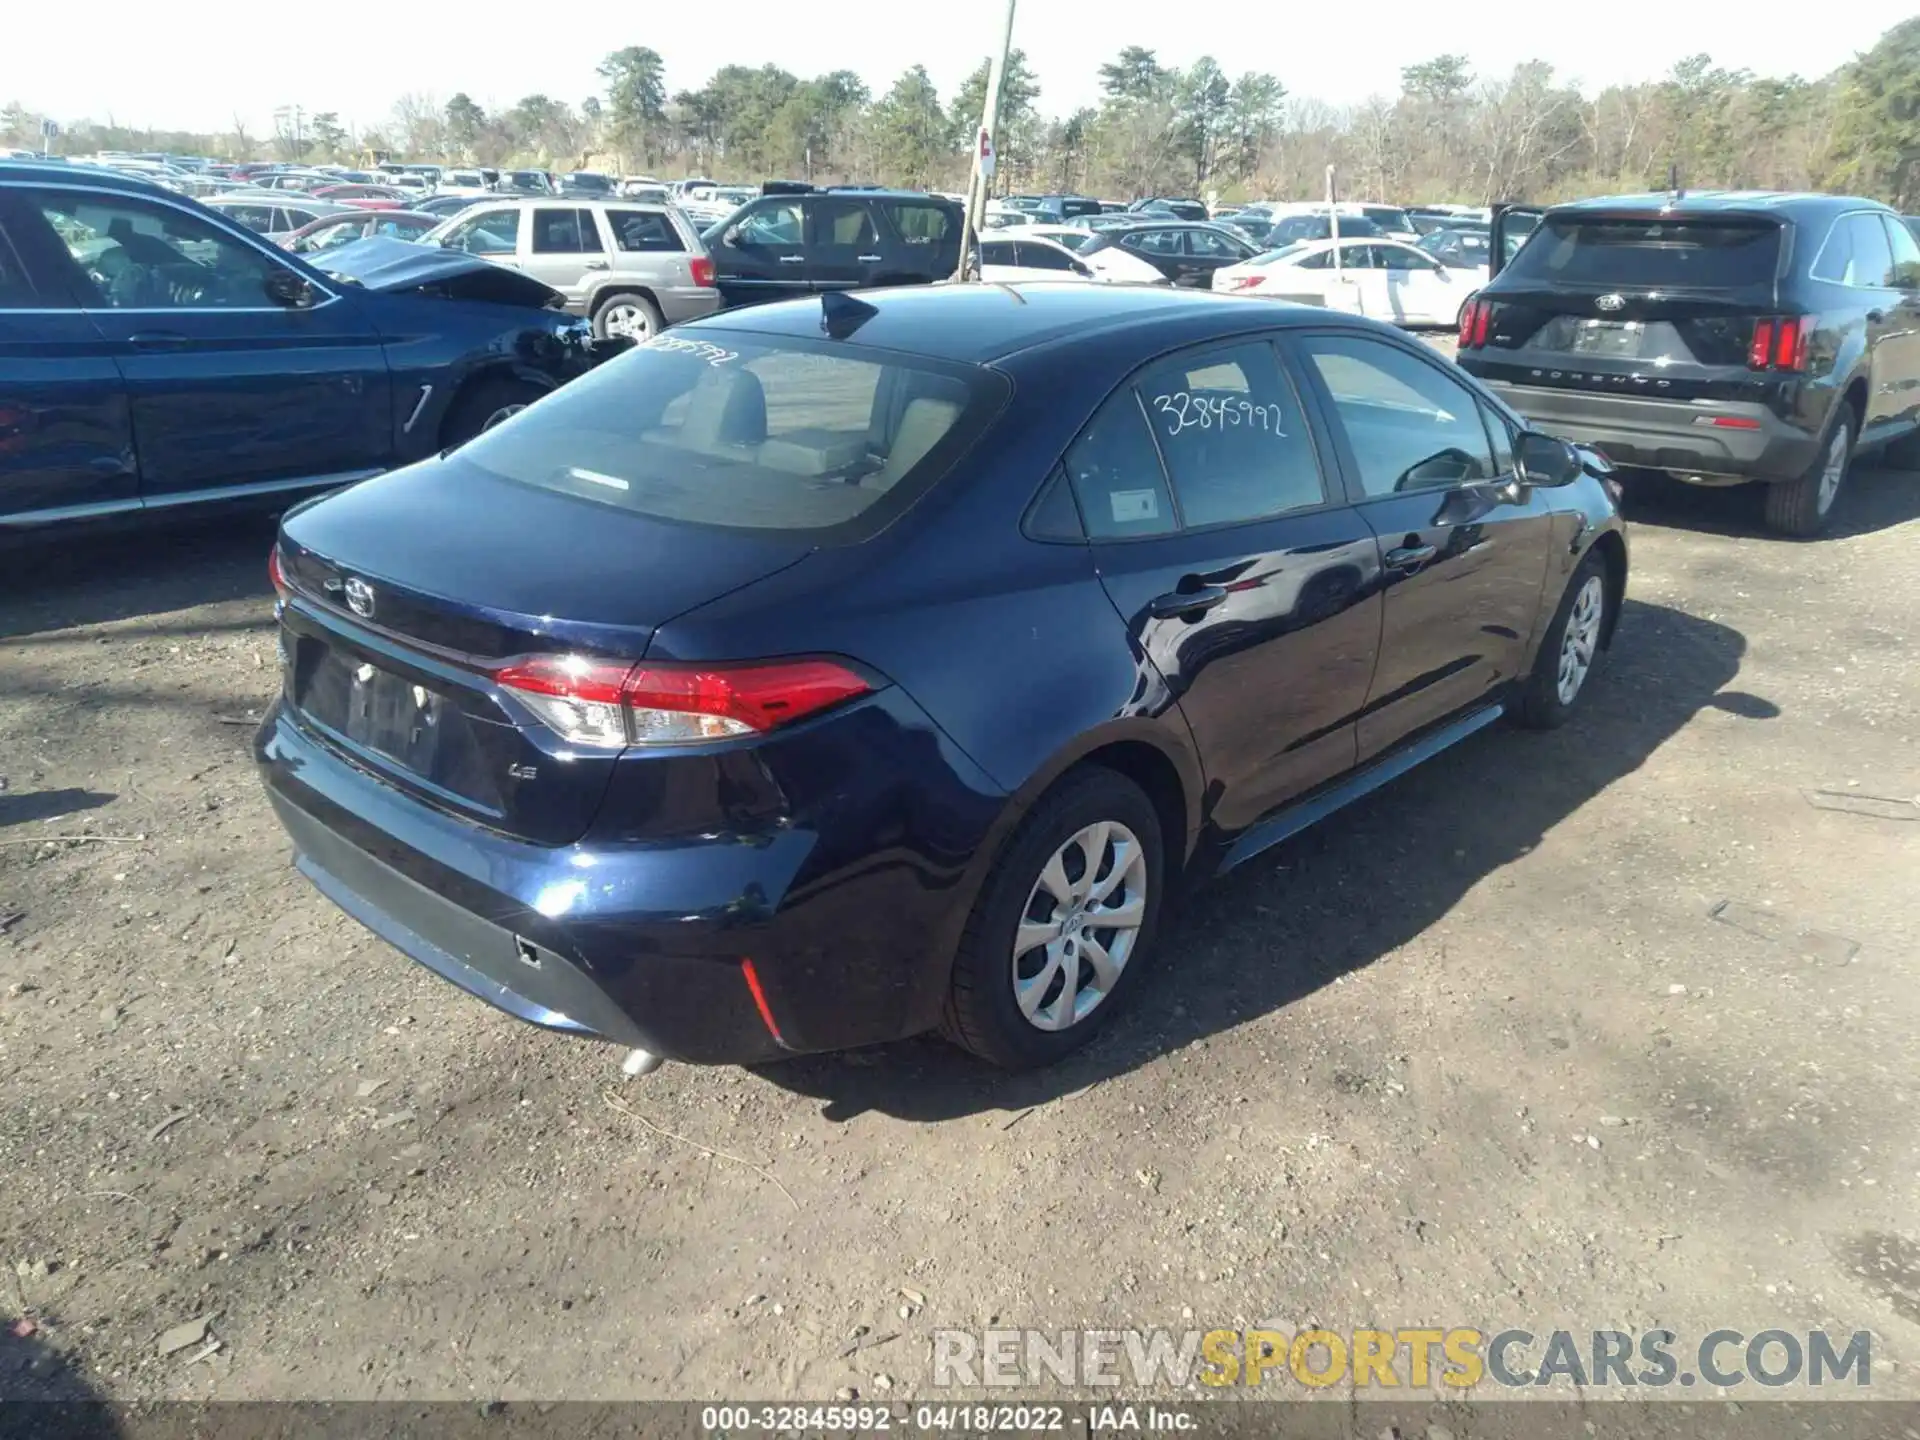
column 1006, row 258
column 1003, row 217
column 1384, row 279
column 1110, row 263
column 463, row 182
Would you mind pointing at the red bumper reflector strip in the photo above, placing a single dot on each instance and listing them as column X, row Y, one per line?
column 760, row 1000
column 1727, row 422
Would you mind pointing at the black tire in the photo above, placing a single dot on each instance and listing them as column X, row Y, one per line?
column 983, row 1015
column 1804, row 507
column 483, row 405
column 1541, row 706
column 648, row 312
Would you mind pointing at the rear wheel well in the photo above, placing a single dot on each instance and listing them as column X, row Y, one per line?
column 1153, row 772
column 614, row 292
column 1612, row 551
column 1856, row 398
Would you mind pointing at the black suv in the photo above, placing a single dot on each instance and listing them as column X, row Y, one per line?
column 784, row 246
column 1725, row 337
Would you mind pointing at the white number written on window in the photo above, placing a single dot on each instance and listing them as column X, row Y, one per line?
column 705, row 350
column 1216, row 412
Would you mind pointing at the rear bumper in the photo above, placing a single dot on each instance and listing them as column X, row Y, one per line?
column 1670, row 434
column 643, row 944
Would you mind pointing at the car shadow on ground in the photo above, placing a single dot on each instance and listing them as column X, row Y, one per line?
column 1875, row 499
column 1342, row 895
column 62, row 582
column 43, row 805
column 43, row 1395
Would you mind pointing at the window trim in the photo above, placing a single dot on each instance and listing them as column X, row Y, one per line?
column 1333, row 481
column 1330, row 415
column 273, row 254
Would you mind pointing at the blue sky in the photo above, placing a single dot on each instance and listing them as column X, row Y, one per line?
column 195, row 65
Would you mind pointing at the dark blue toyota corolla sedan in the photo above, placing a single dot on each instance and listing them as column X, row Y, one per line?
column 832, row 671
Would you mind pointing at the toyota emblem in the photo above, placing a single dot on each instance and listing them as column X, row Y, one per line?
column 1610, row 302
column 360, row 598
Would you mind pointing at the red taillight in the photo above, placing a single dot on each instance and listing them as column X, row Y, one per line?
column 1790, row 344
column 702, row 268
column 611, row 703
column 1244, row 282
column 1476, row 321
column 1779, row 343
column 276, row 574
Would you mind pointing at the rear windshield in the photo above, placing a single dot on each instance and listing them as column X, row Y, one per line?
column 1650, row 253
column 748, row 432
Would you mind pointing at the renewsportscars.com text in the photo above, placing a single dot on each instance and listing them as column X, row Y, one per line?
column 1415, row 1358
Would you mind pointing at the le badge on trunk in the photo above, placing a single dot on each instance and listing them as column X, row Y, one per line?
column 360, row 598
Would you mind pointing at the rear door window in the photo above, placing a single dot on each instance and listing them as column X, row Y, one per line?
column 565, row 232
column 1653, row 253
column 843, row 223
column 919, row 224
column 1042, row 257
column 1153, row 242
column 1213, row 245
column 1207, row 437
column 745, row 432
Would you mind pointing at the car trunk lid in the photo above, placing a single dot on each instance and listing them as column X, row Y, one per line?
column 391, row 654
column 1634, row 303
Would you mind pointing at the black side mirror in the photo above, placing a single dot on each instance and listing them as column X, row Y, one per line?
column 291, row 290
column 1545, row 460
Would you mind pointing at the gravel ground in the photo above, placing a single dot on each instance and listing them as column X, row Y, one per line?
column 1476, row 1052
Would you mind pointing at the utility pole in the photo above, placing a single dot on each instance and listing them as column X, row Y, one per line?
column 978, row 182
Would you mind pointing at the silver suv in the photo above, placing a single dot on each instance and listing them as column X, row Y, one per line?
column 632, row 268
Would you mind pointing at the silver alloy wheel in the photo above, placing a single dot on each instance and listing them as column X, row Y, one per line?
column 1833, row 470
column 1080, row 925
column 624, row 318
column 505, row 412
column 1582, row 638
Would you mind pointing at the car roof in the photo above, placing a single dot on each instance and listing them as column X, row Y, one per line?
column 1789, row 204
column 25, row 172
column 981, row 323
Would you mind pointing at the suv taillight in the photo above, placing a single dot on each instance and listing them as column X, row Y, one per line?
column 702, row 268
column 1476, row 323
column 609, row 704
column 1779, row 343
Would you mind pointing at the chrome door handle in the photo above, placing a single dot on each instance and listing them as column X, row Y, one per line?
column 596, row 265
column 793, row 259
column 1409, row 557
column 867, row 259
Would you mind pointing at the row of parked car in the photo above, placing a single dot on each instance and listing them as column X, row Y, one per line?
column 1590, row 358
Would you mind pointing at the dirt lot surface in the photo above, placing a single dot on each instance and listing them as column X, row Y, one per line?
column 1476, row 1052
